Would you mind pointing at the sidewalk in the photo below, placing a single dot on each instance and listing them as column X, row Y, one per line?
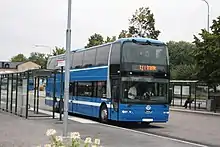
column 198, row 111
column 19, row 132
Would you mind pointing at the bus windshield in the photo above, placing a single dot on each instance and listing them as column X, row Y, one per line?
column 144, row 53
column 144, row 92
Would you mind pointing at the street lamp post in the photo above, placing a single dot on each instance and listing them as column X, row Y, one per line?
column 67, row 69
column 37, row 45
column 208, row 14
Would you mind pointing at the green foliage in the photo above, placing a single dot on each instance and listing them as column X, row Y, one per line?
column 207, row 54
column 109, row 39
column 38, row 58
column 124, row 34
column 58, row 51
column 182, row 60
column 98, row 39
column 142, row 24
column 94, row 40
column 19, row 58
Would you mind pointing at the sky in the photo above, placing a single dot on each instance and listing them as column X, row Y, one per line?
column 27, row 23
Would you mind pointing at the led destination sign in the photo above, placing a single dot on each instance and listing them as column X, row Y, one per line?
column 144, row 68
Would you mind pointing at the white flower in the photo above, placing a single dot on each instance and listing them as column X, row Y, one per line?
column 75, row 135
column 47, row 145
column 50, row 132
column 97, row 141
column 59, row 138
column 88, row 140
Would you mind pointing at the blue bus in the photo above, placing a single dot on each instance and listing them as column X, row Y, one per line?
column 126, row 80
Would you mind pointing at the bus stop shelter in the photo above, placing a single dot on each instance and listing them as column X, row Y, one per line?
column 199, row 94
column 20, row 92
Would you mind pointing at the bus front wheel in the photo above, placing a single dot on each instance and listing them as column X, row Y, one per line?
column 103, row 114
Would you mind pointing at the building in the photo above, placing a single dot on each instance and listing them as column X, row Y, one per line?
column 9, row 67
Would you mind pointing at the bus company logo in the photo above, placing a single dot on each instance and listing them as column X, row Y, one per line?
column 148, row 107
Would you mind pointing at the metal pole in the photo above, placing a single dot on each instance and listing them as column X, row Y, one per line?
column 208, row 14
column 38, row 93
column 0, row 90
column 67, row 68
column 27, row 95
column 16, row 94
column 35, row 92
column 54, row 93
column 11, row 93
column 7, row 92
column 61, row 93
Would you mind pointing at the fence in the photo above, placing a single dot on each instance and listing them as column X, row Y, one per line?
column 22, row 93
column 199, row 94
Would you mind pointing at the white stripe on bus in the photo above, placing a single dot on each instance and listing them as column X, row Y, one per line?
column 96, row 104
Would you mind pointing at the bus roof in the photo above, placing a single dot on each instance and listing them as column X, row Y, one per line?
column 123, row 40
column 118, row 40
column 140, row 39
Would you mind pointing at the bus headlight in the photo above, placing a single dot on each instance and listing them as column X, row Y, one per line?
column 167, row 112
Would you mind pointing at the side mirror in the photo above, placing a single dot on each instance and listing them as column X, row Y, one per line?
column 170, row 95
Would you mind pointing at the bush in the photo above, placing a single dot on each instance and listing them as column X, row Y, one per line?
column 73, row 140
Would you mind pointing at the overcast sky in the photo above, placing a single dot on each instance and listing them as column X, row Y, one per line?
column 25, row 23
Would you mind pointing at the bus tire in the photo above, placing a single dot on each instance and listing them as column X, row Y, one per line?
column 103, row 115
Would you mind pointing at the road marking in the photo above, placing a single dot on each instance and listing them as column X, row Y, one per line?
column 57, row 115
column 87, row 121
column 76, row 119
column 158, row 136
column 126, row 129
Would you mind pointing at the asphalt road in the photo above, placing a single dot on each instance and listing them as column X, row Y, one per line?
column 15, row 131
column 197, row 128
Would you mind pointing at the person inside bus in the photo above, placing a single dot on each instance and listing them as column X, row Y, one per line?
column 132, row 93
column 149, row 93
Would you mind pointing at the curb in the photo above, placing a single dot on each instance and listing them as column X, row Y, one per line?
column 194, row 111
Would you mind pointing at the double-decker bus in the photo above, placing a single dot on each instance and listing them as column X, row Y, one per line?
column 125, row 80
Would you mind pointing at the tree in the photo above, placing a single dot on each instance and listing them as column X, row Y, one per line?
column 124, row 34
column 109, row 39
column 97, row 39
column 19, row 58
column 58, row 51
column 94, row 40
column 38, row 58
column 207, row 54
column 142, row 24
column 182, row 60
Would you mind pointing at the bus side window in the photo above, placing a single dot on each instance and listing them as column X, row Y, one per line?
column 101, row 89
column 85, row 89
column 71, row 89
